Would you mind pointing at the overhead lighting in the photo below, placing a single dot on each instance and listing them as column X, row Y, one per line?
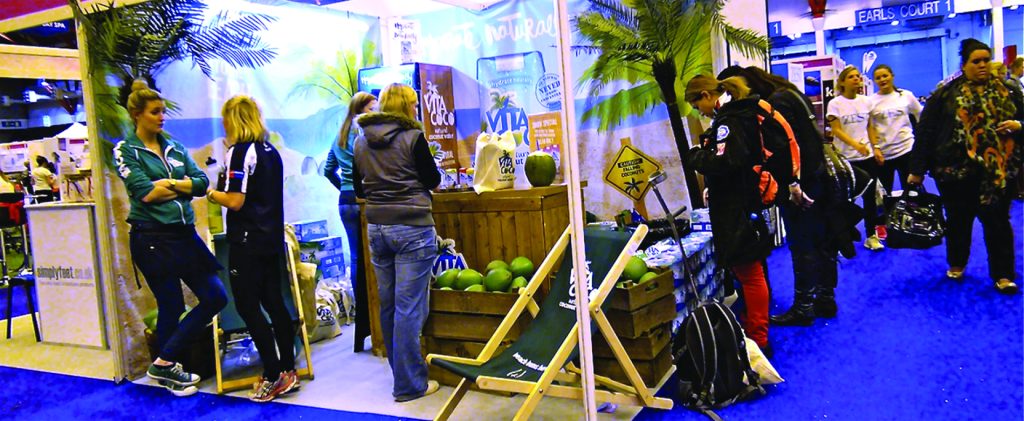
column 1014, row 7
column 952, row 15
column 849, row 28
column 895, row 23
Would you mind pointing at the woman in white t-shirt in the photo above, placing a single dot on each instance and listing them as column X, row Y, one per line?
column 43, row 180
column 891, row 117
column 848, row 116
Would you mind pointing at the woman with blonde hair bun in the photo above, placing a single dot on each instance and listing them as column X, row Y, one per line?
column 254, row 196
column 161, row 179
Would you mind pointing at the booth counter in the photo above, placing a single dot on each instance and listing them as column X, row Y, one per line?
column 66, row 267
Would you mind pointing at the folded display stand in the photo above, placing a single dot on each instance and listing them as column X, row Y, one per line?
column 228, row 321
column 544, row 353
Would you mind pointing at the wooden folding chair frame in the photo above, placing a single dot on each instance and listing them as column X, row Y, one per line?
column 224, row 385
column 636, row 393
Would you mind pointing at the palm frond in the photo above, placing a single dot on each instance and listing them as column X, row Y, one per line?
column 746, row 41
column 612, row 111
column 621, row 13
column 139, row 41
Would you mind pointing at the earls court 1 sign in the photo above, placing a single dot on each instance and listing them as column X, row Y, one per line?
column 904, row 11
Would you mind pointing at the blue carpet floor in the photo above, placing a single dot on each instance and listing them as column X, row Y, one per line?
column 19, row 302
column 908, row 344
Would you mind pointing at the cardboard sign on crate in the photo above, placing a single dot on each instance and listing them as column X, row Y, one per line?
column 311, row 230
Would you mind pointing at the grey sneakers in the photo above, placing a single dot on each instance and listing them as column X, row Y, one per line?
column 172, row 374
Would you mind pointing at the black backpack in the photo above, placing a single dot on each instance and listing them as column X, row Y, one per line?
column 711, row 361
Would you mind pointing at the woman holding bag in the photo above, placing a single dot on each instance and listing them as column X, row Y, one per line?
column 891, row 116
column 970, row 143
column 395, row 171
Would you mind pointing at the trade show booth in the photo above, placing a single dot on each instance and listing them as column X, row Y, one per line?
column 485, row 72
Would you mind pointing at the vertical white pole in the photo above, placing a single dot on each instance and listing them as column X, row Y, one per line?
column 819, row 35
column 997, row 30
column 102, row 214
column 576, row 219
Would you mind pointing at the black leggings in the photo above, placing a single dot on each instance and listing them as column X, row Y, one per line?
column 256, row 281
column 871, row 210
column 887, row 173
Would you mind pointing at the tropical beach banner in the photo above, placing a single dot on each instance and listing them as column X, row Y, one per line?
column 507, row 69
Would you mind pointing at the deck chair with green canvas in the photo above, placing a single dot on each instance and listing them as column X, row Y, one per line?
column 536, row 360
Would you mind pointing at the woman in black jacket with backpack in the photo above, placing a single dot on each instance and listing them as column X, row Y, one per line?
column 726, row 158
column 813, row 250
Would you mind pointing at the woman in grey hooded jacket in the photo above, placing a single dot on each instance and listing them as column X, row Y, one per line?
column 395, row 172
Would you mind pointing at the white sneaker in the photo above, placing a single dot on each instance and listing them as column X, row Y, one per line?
column 179, row 391
column 873, row 243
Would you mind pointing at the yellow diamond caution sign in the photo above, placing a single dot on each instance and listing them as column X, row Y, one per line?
column 629, row 172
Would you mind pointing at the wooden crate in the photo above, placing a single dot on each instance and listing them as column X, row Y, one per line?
column 502, row 225
column 493, row 225
column 471, row 316
column 633, row 324
column 636, row 296
column 651, row 371
column 647, row 347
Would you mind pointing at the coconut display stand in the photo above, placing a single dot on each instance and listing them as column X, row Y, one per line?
column 498, row 225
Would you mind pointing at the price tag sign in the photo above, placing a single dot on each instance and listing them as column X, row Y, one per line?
column 629, row 172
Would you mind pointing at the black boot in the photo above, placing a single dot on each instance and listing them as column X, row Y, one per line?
column 800, row 314
column 825, row 303
column 805, row 265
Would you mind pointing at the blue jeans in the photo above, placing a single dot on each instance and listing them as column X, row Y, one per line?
column 402, row 257
column 349, row 211
column 167, row 259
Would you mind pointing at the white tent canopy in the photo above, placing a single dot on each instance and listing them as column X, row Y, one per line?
column 75, row 131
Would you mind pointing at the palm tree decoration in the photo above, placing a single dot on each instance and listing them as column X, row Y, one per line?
column 655, row 46
column 127, row 43
column 339, row 81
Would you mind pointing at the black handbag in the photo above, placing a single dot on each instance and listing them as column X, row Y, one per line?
column 915, row 221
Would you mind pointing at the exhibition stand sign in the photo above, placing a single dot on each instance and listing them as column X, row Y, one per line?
column 67, row 278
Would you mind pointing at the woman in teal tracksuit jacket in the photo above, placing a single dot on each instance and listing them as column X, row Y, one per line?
column 161, row 179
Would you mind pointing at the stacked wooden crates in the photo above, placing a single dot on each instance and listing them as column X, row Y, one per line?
column 498, row 225
column 489, row 226
column 641, row 315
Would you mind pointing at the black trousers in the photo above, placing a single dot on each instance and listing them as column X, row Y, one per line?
column 960, row 199
column 256, row 282
column 872, row 217
column 814, row 261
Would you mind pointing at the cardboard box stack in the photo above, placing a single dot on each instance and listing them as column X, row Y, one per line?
column 700, row 261
column 327, row 252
